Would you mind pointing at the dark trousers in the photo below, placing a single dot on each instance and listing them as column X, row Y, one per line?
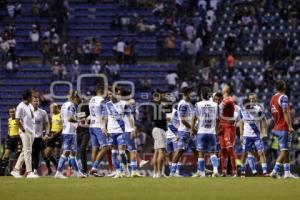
column 37, row 147
column 83, row 139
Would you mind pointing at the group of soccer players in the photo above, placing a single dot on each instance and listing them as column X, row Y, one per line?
column 208, row 128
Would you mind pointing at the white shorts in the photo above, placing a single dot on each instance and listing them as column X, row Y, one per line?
column 159, row 136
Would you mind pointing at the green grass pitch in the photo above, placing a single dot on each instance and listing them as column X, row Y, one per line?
column 147, row 188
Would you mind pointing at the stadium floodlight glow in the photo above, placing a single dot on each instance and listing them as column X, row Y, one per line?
column 82, row 76
column 132, row 88
column 54, row 83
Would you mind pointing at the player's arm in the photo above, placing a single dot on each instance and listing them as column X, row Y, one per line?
column 72, row 115
column 241, row 129
column 286, row 112
column 132, row 126
column 182, row 114
column 193, row 125
column 19, row 115
column 103, row 118
column 46, row 124
column 264, row 128
column 287, row 118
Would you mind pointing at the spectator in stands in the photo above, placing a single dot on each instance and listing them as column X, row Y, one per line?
column 169, row 22
column 170, row 45
column 9, row 67
column 34, row 36
column 125, row 20
column 114, row 69
column 64, row 72
column 56, row 71
column 191, row 50
column 172, row 80
column 210, row 19
column 129, row 54
column 132, row 26
column 144, row 27
column 18, row 8
column 54, row 42
column 230, row 61
column 45, row 11
column 45, row 48
column 96, row 67
column 120, row 51
column 269, row 74
column 259, row 47
column 12, row 44
column 145, row 84
column 96, row 48
column 35, row 8
column 75, row 70
column 230, row 43
column 116, row 23
column 190, row 31
column 87, row 51
column 10, row 10
column 158, row 8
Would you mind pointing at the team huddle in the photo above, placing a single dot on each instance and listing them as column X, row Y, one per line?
column 207, row 128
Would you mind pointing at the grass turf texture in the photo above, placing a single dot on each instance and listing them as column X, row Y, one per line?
column 147, row 188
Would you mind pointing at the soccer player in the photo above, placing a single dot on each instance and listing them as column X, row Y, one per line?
column 13, row 141
column 115, row 127
column 41, row 125
column 227, row 132
column 70, row 124
column 130, row 134
column 282, row 129
column 207, row 116
column 25, row 121
column 185, row 114
column 54, row 140
column 251, row 157
column 97, row 124
column 250, row 130
column 172, row 139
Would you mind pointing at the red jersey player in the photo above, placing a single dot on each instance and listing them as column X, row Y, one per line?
column 227, row 133
column 282, row 128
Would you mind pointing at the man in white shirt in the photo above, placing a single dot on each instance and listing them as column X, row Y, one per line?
column 25, row 120
column 251, row 128
column 115, row 127
column 41, row 124
column 69, row 133
column 171, row 79
column 185, row 113
column 99, row 138
column 207, row 116
column 120, row 51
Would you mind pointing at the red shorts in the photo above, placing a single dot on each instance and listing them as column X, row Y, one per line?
column 227, row 136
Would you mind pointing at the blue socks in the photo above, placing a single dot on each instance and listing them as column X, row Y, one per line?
column 61, row 163
column 115, row 160
column 277, row 167
column 201, row 165
column 215, row 163
column 133, row 165
column 74, row 163
column 96, row 164
column 251, row 161
column 173, row 168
